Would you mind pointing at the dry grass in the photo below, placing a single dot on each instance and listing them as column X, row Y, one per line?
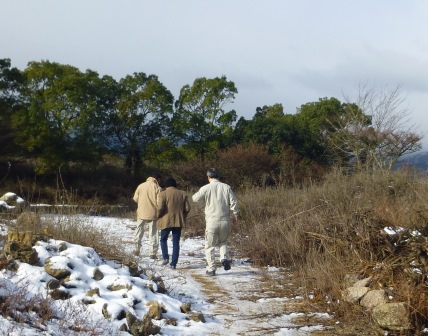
column 333, row 228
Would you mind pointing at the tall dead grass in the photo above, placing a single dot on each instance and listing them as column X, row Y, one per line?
column 330, row 229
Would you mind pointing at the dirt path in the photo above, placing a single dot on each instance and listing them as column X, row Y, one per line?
column 243, row 301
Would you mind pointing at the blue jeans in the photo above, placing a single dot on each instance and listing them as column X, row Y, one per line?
column 176, row 234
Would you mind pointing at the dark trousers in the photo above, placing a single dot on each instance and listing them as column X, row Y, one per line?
column 176, row 234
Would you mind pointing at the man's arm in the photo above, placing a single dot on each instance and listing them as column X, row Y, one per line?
column 200, row 195
column 135, row 198
column 186, row 209
column 233, row 205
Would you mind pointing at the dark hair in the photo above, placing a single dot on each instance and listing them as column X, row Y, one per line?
column 156, row 175
column 170, row 182
column 213, row 173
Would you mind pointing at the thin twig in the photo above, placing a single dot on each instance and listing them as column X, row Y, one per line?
column 302, row 212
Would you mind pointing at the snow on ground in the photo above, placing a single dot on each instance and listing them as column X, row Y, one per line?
column 233, row 302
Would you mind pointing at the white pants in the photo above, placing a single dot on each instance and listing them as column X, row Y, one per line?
column 153, row 235
column 216, row 234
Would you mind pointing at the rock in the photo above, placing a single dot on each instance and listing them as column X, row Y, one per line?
column 350, row 279
column 105, row 312
column 123, row 327
column 53, row 284
column 58, row 273
column 93, row 291
column 62, row 246
column 134, row 269
column 143, row 327
column 171, row 321
column 186, row 307
column 24, row 237
column 392, row 316
column 7, row 262
column 114, row 288
column 58, row 294
column 374, row 298
column 161, row 288
column 3, row 206
column 354, row 294
column 98, row 275
column 121, row 315
column 155, row 310
column 196, row 316
column 363, row 282
column 19, row 247
column 11, row 198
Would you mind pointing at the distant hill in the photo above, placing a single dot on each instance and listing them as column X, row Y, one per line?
column 417, row 160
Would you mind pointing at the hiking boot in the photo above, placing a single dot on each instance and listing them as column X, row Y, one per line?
column 172, row 266
column 226, row 264
column 153, row 257
column 210, row 273
column 165, row 261
column 136, row 252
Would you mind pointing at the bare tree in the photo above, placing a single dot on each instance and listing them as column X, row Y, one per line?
column 376, row 130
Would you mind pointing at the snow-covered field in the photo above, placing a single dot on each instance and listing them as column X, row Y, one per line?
column 233, row 302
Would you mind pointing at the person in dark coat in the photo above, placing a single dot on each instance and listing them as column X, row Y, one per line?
column 173, row 208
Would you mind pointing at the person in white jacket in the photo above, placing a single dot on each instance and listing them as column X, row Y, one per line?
column 220, row 201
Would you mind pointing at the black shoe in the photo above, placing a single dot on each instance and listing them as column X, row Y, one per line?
column 210, row 273
column 165, row 261
column 226, row 264
column 153, row 257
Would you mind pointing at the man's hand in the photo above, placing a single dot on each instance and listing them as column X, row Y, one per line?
column 234, row 220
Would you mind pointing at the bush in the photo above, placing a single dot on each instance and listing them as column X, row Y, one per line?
column 247, row 166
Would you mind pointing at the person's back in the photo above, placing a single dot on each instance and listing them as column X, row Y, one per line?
column 173, row 207
column 219, row 200
column 146, row 197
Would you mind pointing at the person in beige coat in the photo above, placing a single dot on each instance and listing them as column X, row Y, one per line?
column 173, row 208
column 146, row 197
column 220, row 203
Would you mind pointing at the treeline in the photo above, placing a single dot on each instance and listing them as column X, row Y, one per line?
column 60, row 117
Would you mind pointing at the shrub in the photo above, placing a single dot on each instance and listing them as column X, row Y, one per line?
column 247, row 166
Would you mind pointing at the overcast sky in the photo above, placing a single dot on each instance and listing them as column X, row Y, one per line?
column 275, row 51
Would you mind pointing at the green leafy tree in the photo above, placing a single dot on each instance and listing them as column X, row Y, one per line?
column 269, row 127
column 60, row 115
column 313, row 124
column 142, row 116
column 10, row 81
column 201, row 121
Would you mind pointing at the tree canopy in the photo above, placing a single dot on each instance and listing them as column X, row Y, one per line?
column 200, row 120
column 62, row 116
